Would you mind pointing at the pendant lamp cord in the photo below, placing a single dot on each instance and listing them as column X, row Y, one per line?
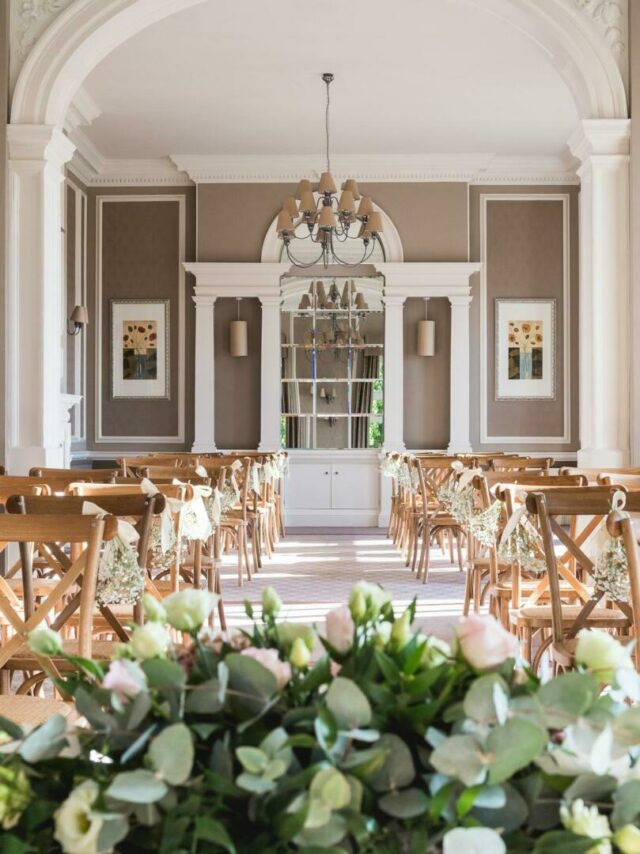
column 326, row 122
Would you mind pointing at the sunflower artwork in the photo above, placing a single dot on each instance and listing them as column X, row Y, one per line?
column 140, row 349
column 525, row 343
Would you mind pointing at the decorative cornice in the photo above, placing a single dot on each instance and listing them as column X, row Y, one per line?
column 611, row 18
column 29, row 19
column 136, row 172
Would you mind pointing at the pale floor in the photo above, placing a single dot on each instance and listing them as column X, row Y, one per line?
column 314, row 570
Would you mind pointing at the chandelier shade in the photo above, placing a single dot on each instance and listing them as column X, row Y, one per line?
column 326, row 219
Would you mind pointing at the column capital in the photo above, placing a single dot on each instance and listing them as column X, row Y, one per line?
column 394, row 299
column 204, row 301
column 600, row 137
column 460, row 299
column 39, row 143
column 270, row 300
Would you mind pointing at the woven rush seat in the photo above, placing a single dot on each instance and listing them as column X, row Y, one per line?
column 539, row 616
column 23, row 709
column 23, row 659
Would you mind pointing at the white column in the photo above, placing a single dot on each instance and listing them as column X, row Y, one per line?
column 459, row 401
column 602, row 146
column 270, row 374
column 204, row 378
column 35, row 328
column 393, row 373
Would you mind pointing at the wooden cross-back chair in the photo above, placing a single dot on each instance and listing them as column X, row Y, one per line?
column 166, row 474
column 502, row 580
column 73, row 591
column 592, row 474
column 139, row 510
column 132, row 465
column 595, row 608
column 502, row 463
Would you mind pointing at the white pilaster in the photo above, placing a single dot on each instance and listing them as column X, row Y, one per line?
column 394, row 373
column 270, row 374
column 204, row 379
column 459, row 400
column 35, row 327
column 602, row 146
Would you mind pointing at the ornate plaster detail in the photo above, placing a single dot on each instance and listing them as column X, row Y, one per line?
column 611, row 18
column 29, row 19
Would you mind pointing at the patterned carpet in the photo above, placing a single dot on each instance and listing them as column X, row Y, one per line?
column 314, row 570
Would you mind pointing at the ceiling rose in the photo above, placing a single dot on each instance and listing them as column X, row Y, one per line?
column 319, row 214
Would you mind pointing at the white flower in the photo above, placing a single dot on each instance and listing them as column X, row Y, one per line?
column 484, row 642
column 124, row 677
column 382, row 635
column 77, row 826
column 268, row 658
column 149, row 641
column 587, row 821
column 587, row 749
column 339, row 628
column 473, row 840
column 271, row 602
column 372, row 596
column 299, row 655
column 189, row 609
column 601, row 653
column 153, row 609
column 45, row 642
column 435, row 652
column 401, row 630
column 628, row 839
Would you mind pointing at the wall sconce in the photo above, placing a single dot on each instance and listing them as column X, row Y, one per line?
column 426, row 334
column 328, row 396
column 79, row 318
column 238, row 335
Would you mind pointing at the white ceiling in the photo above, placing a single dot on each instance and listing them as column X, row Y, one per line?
column 242, row 77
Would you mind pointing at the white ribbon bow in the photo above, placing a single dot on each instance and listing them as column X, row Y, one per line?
column 466, row 477
column 126, row 533
column 171, row 507
column 195, row 523
column 201, row 471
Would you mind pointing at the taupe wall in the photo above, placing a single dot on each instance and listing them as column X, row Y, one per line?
column 431, row 218
column 426, row 379
column 524, row 258
column 237, row 379
column 634, row 87
column 140, row 261
column 4, row 111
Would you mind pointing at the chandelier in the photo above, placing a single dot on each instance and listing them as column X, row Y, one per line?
column 319, row 215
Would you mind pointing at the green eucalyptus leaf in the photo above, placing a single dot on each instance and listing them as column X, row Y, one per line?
column 567, row 697
column 348, row 704
column 138, row 745
column 204, row 699
column 513, row 746
column 171, row 754
column 323, row 837
column 136, row 710
column 45, row 742
column 398, row 769
column 626, row 804
column 460, row 756
column 255, row 784
column 251, row 685
column 592, row 787
column 163, row 674
column 487, row 699
column 510, row 815
column 563, row 842
column 114, row 829
column 12, row 729
column 252, row 759
column 408, row 803
column 147, row 814
column 137, row 787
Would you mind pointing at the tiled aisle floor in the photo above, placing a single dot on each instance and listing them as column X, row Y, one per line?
column 313, row 571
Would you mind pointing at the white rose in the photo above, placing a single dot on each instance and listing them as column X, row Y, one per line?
column 269, row 659
column 484, row 642
column 149, row 641
column 153, row 609
column 600, row 652
column 77, row 826
column 339, row 628
column 473, row 840
column 124, row 677
column 189, row 609
column 587, row 821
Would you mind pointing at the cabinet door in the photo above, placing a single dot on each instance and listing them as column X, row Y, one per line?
column 355, row 486
column 308, row 486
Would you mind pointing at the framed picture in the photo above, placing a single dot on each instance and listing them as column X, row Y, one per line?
column 139, row 348
column 525, row 337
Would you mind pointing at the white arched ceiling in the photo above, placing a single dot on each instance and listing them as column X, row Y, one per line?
column 89, row 30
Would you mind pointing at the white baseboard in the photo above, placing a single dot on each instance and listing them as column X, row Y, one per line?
column 331, row 518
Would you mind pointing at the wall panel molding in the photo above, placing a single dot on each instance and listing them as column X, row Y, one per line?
column 131, row 440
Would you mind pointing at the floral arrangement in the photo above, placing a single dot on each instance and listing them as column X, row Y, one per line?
column 368, row 736
column 521, row 543
column 459, row 501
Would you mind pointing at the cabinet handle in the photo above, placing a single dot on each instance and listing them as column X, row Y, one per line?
column 336, row 472
column 326, row 472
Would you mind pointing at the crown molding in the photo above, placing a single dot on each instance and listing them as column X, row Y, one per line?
column 97, row 171
column 83, row 110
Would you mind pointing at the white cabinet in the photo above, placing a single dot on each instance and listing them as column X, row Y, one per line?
column 333, row 489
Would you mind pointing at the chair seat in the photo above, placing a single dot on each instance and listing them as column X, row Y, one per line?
column 32, row 711
column 41, row 586
column 24, row 659
column 539, row 616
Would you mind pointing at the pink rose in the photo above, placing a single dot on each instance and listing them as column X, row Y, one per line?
column 124, row 677
column 268, row 658
column 339, row 628
column 335, row 668
column 484, row 642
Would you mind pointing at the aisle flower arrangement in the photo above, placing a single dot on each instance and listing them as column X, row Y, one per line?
column 363, row 736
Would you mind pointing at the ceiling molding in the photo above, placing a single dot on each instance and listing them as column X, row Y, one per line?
column 465, row 168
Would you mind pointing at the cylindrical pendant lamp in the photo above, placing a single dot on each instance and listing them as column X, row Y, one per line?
column 426, row 334
column 238, row 335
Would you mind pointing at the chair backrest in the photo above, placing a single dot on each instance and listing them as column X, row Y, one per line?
column 595, row 502
column 9, row 485
column 59, row 475
column 168, row 473
column 63, row 598
column 533, row 480
column 520, row 463
column 134, row 464
column 592, row 474
column 631, row 482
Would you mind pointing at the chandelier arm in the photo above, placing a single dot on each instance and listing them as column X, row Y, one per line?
column 298, row 263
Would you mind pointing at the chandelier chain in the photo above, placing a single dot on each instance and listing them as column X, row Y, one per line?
column 326, row 121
